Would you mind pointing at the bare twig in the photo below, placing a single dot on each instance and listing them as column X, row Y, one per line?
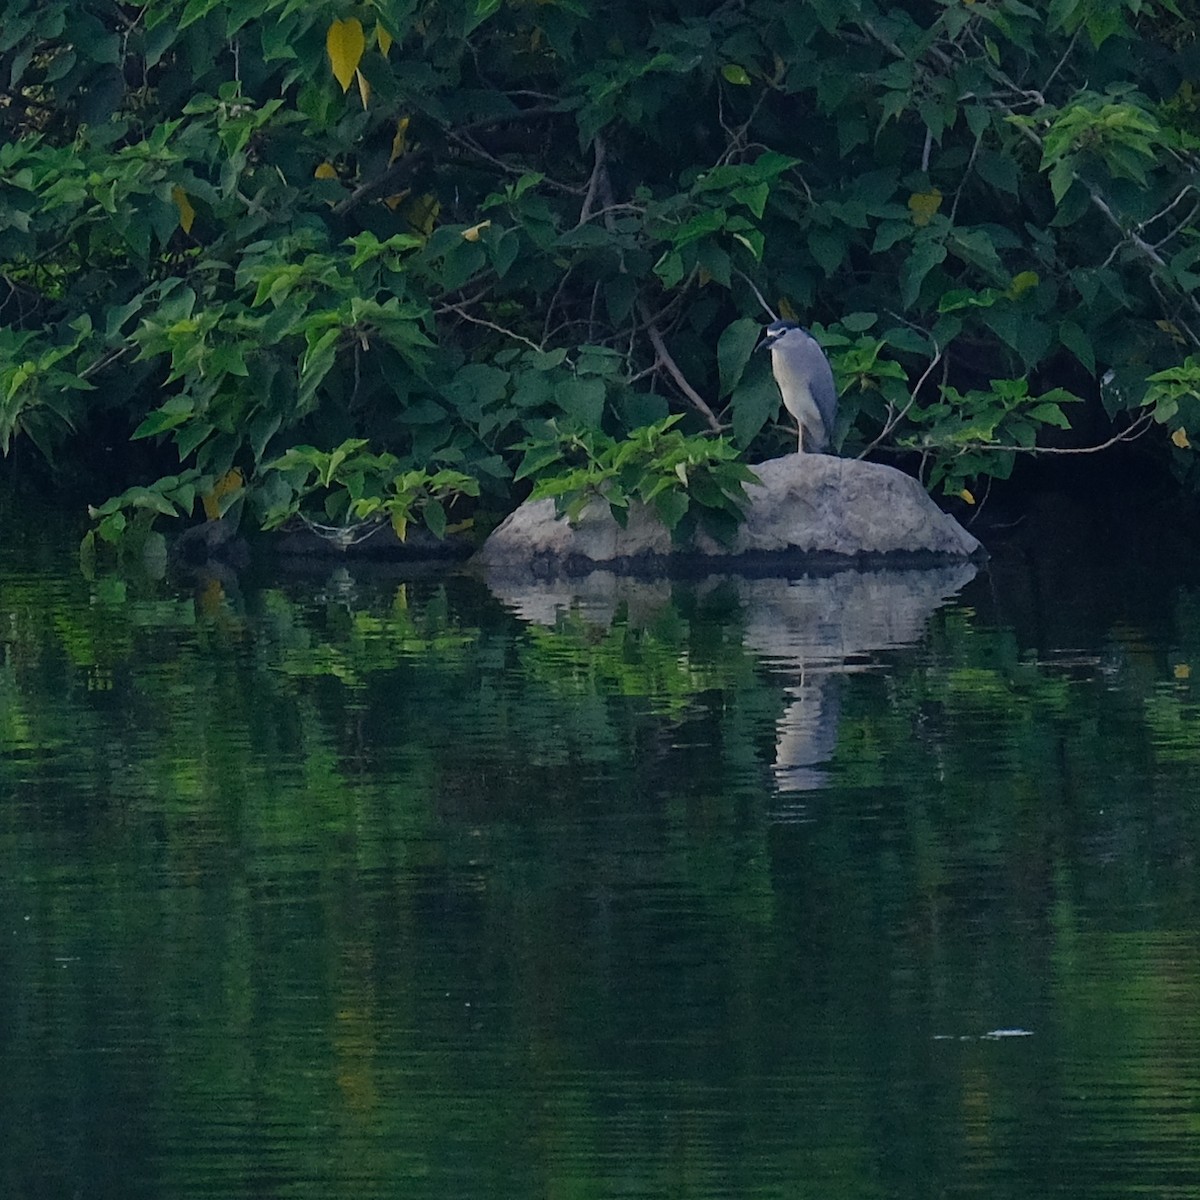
column 672, row 368
column 394, row 179
column 962, row 183
column 598, row 153
column 447, row 305
column 606, row 213
column 1182, row 225
column 1135, row 430
column 516, row 337
column 562, row 283
column 1062, row 62
column 592, row 310
column 752, row 286
column 737, row 145
column 897, row 417
column 104, row 361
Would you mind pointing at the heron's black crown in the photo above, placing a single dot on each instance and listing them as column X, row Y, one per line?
column 776, row 330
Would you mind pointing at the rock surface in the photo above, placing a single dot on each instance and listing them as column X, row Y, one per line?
column 831, row 511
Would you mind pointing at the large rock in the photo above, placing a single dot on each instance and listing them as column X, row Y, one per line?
column 823, row 510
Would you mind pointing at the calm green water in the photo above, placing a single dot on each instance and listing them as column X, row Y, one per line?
column 343, row 886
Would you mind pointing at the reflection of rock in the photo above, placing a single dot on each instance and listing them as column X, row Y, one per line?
column 811, row 507
column 595, row 596
column 829, row 620
column 810, row 630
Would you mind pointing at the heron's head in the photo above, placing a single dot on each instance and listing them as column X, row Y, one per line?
column 775, row 331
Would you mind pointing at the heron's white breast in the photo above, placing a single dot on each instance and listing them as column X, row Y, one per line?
column 797, row 395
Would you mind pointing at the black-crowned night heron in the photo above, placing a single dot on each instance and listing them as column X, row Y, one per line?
column 805, row 381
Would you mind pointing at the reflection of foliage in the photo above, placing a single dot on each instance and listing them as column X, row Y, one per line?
column 367, row 642
column 655, row 661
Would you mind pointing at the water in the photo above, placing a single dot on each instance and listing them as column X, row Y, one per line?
column 351, row 886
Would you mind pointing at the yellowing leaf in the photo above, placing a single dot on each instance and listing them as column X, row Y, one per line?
column 704, row 277
column 364, row 88
column 400, row 525
column 421, row 213
column 325, row 170
column 400, row 141
column 187, row 214
column 472, row 234
column 211, row 598
column 967, row 496
column 345, row 44
column 397, row 198
column 923, row 206
column 1172, row 331
column 1182, row 671
column 231, row 481
column 1021, row 283
column 384, row 39
column 736, row 74
column 786, row 311
column 1180, row 438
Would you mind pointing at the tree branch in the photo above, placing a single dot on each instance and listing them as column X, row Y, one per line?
column 672, row 368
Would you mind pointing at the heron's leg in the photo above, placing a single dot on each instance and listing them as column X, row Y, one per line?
column 799, row 437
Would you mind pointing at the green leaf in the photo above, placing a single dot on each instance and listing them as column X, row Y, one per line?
column 734, row 348
column 671, row 507
column 924, row 257
column 754, row 197
column 435, row 518
column 889, row 233
column 998, row 170
column 478, row 13
column 582, row 400
column 669, row 269
column 1075, row 340
column 174, row 412
column 859, row 322
column 189, row 437
column 112, row 527
column 754, row 402
column 828, row 248
column 503, row 246
column 1050, row 414
column 1062, row 176
column 537, row 459
column 620, row 293
column 735, row 74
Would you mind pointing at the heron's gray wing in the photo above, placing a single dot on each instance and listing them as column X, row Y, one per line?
column 811, row 361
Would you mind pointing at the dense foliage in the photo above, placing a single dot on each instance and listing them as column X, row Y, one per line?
column 381, row 261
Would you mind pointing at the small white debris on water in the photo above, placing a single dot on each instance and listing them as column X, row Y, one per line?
column 992, row 1035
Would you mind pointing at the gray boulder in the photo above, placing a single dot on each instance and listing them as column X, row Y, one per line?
column 814, row 508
